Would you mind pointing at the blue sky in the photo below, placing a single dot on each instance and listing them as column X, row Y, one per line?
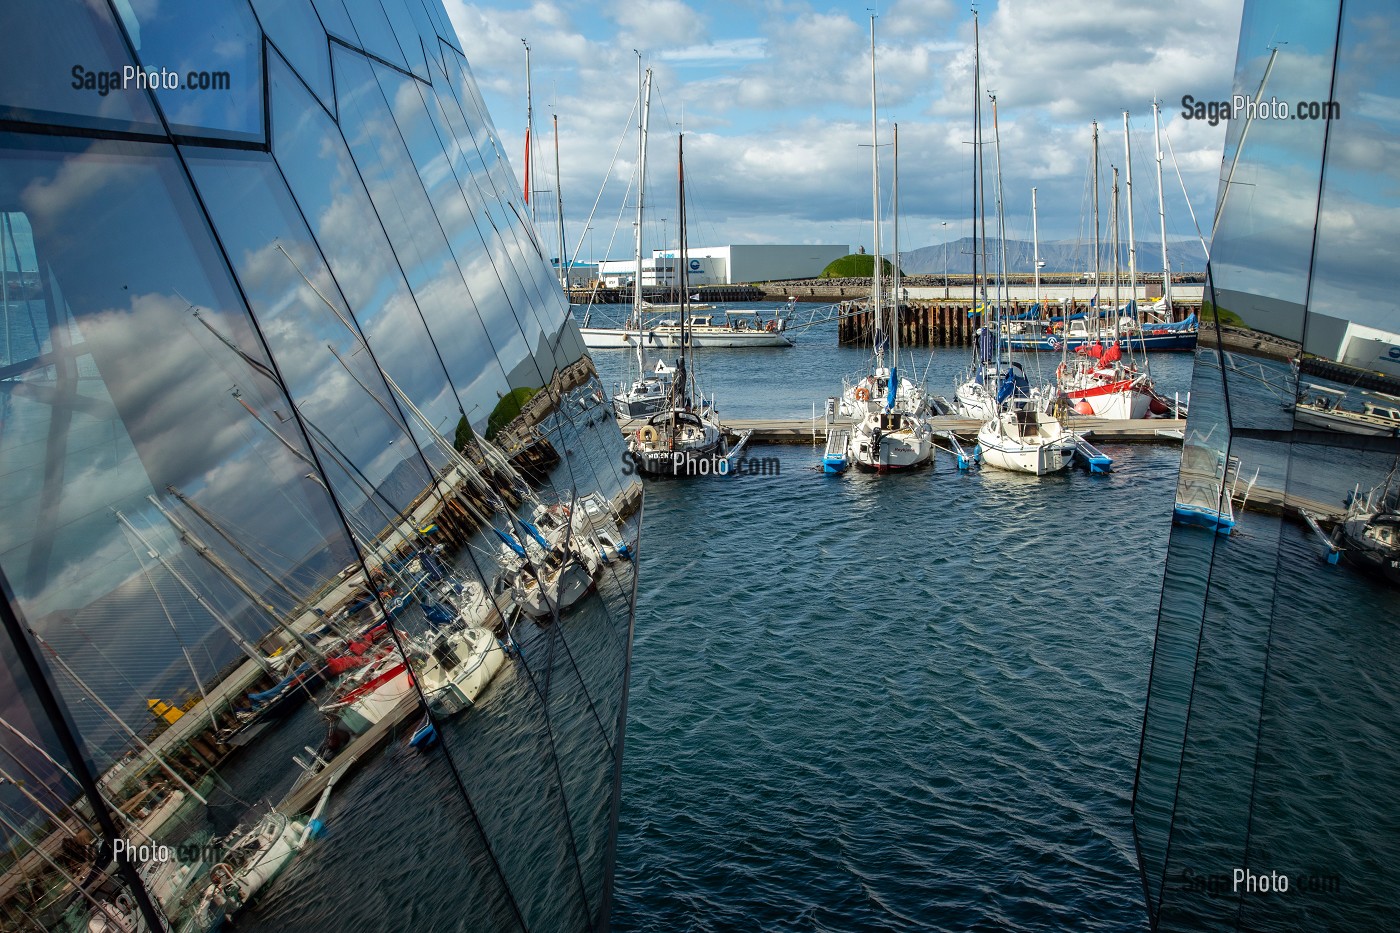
column 776, row 106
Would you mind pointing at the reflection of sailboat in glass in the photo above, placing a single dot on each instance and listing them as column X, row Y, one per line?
column 1320, row 406
column 1208, row 487
column 1369, row 532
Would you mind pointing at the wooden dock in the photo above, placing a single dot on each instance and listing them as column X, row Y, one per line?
column 1102, row 430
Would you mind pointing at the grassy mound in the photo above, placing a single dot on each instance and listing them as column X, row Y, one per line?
column 506, row 409
column 855, row 266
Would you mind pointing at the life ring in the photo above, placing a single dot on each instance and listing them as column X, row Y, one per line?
column 648, row 435
column 771, row 327
column 1060, row 371
column 862, row 394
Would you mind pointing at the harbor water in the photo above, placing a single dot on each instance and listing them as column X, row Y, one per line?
column 895, row 702
column 857, row 702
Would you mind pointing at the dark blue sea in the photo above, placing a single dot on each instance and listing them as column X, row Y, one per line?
column 905, row 702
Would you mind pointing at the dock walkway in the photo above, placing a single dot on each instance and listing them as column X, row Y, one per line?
column 807, row 431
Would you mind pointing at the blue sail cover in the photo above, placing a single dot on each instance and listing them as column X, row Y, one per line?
column 1013, row 384
column 535, row 533
column 986, row 343
column 894, row 385
column 510, row 541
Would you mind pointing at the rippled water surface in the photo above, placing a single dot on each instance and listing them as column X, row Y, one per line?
column 905, row 702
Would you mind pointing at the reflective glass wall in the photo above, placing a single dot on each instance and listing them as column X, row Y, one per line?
column 1269, row 750
column 317, row 554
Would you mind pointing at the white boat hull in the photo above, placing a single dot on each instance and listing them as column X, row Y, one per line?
column 453, row 679
column 562, row 589
column 611, row 338
column 885, row 442
column 1049, row 450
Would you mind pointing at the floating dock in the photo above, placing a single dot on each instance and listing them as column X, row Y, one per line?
column 1103, row 430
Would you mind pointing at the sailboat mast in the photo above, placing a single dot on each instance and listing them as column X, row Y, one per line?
column 641, row 189
column 981, row 218
column 894, row 275
column 1113, row 225
column 876, row 285
column 1001, row 215
column 1161, row 206
column 111, row 714
column 1132, row 240
column 1098, row 248
column 976, row 146
column 559, row 208
column 529, row 131
column 1035, row 246
column 684, row 282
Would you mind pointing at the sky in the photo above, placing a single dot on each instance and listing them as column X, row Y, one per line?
column 775, row 100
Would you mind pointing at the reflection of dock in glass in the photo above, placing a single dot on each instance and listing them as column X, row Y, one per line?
column 1207, row 489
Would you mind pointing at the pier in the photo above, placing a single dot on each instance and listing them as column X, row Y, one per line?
column 809, row 431
column 939, row 323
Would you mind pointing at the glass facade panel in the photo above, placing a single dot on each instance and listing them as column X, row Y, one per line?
column 1271, row 709
column 206, row 60
column 73, row 76
column 313, row 502
column 292, row 26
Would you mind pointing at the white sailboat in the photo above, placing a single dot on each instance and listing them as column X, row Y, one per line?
column 1019, row 437
column 974, row 396
column 650, row 391
column 686, row 438
column 890, row 428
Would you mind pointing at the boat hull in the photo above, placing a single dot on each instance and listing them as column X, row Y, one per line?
column 1346, row 421
column 1201, row 517
column 562, row 589
column 609, row 338
column 1170, row 340
column 1117, row 400
column 1035, row 455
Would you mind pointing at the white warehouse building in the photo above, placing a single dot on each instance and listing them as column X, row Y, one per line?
column 725, row 265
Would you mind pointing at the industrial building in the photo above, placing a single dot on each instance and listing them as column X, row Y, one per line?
column 724, row 265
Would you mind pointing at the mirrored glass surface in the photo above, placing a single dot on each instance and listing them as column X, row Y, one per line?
column 1266, row 210
column 73, row 77
column 203, row 62
column 293, row 26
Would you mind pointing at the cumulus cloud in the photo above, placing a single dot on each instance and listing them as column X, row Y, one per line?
column 776, row 104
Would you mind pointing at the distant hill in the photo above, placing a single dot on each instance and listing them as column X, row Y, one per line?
column 1058, row 256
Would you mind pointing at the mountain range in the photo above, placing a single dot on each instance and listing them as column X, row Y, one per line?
column 1058, row 256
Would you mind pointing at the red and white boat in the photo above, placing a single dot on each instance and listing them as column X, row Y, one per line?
column 1106, row 387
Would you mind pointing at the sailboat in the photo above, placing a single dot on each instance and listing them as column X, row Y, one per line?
column 650, row 391
column 1098, row 380
column 1369, row 532
column 889, row 412
column 1019, row 436
column 974, row 396
column 686, row 438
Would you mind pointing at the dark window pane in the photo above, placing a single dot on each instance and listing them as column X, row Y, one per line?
column 43, row 63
